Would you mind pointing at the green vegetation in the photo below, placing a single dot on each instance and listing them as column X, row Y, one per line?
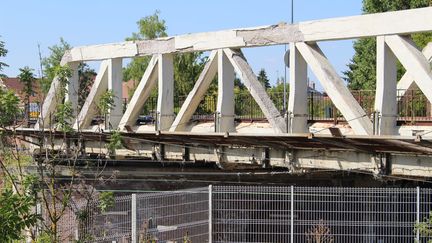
column 9, row 109
column 187, row 66
column 16, row 212
column 3, row 52
column 52, row 62
column 27, row 79
column 114, row 142
column 262, row 77
column 361, row 73
column 106, row 200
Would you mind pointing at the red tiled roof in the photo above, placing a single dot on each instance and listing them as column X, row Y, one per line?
column 16, row 85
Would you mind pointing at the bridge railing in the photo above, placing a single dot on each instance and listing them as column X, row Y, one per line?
column 412, row 106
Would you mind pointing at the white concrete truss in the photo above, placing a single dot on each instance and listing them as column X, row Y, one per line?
column 115, row 81
column 298, row 93
column 141, row 94
column 414, row 62
column 165, row 103
column 72, row 88
column 46, row 117
column 89, row 109
column 197, row 93
column 407, row 81
column 304, row 51
column 386, row 93
column 420, row 20
column 336, row 88
column 247, row 76
column 225, row 101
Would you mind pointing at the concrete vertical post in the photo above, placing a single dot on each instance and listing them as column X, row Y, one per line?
column 165, row 103
column 134, row 232
column 225, row 101
column 297, row 104
column 72, row 88
column 386, row 89
column 115, row 81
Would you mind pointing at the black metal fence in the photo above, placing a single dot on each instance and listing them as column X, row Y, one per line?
column 412, row 106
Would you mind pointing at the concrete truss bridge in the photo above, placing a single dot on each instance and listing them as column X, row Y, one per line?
column 374, row 143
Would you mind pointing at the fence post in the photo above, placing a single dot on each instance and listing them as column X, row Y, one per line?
column 418, row 214
column 292, row 215
column 38, row 224
column 210, row 213
column 134, row 220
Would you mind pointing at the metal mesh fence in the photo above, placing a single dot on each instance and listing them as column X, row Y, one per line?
column 256, row 214
column 251, row 214
column 265, row 214
column 173, row 216
column 355, row 214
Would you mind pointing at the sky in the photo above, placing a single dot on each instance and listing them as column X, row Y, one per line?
column 26, row 23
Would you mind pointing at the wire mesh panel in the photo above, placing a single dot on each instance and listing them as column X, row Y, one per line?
column 251, row 214
column 113, row 224
column 67, row 226
column 257, row 214
column 425, row 208
column 178, row 216
column 354, row 214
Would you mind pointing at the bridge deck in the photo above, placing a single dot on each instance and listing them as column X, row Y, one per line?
column 367, row 144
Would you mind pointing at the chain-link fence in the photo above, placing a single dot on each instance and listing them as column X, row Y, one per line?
column 258, row 214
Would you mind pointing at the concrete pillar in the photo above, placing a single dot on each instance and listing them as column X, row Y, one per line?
column 297, row 104
column 386, row 93
column 165, row 104
column 73, row 88
column 115, row 80
column 225, row 102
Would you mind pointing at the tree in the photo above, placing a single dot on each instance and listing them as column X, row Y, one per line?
column 27, row 79
column 361, row 73
column 105, row 104
column 262, row 77
column 86, row 80
column 187, row 66
column 425, row 227
column 150, row 27
column 50, row 63
column 16, row 214
column 8, row 107
column 3, row 53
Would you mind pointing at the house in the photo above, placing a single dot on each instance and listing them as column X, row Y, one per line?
column 36, row 97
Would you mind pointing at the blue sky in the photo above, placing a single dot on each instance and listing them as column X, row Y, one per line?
column 24, row 24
